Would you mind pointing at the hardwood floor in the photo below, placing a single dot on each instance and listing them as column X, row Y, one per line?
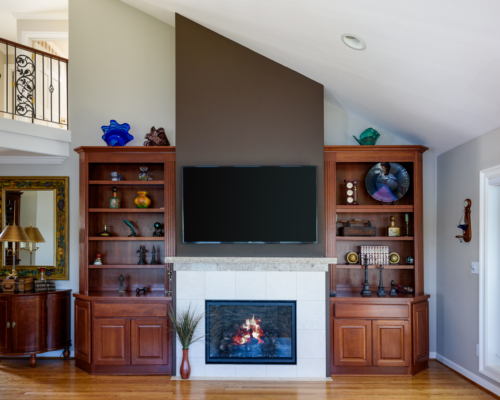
column 54, row 379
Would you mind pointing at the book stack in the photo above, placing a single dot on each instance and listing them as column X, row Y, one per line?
column 45, row 285
column 376, row 255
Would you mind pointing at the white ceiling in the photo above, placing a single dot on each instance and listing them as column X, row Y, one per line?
column 430, row 73
column 8, row 27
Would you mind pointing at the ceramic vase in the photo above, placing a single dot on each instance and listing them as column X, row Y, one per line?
column 142, row 201
column 185, row 368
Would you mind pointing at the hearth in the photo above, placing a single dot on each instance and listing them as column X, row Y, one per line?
column 251, row 332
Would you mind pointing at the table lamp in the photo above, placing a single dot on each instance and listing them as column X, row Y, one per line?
column 35, row 237
column 14, row 234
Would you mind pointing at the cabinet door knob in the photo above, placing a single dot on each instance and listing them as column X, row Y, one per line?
column 8, row 324
column 13, row 324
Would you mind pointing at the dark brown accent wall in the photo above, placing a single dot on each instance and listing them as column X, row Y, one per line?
column 237, row 107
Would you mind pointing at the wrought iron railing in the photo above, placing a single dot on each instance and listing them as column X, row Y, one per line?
column 33, row 85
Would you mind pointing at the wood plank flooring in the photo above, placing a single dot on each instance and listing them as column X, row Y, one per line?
column 61, row 380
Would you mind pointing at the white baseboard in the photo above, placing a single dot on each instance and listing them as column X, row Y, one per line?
column 432, row 355
column 473, row 377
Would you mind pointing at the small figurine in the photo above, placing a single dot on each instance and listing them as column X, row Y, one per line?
column 115, row 177
column 142, row 255
column 121, row 279
column 393, row 289
column 159, row 232
column 410, row 260
column 156, row 137
column 143, row 290
column 114, row 202
column 97, row 260
column 133, row 233
column 153, row 257
column 381, row 291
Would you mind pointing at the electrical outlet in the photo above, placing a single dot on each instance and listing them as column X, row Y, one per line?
column 474, row 268
column 477, row 349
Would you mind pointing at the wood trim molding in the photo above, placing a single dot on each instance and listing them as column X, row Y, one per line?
column 34, row 15
column 487, row 178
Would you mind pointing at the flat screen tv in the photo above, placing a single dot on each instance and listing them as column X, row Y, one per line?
column 262, row 204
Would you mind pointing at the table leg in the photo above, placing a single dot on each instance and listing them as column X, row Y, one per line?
column 33, row 360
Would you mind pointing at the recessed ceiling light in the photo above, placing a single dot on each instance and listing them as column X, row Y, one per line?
column 353, row 41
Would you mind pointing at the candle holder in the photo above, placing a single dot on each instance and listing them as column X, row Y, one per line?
column 407, row 221
column 381, row 291
column 366, row 286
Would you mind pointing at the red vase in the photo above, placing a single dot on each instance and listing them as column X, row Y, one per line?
column 185, row 369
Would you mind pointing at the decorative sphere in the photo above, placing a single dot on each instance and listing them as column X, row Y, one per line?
column 157, row 225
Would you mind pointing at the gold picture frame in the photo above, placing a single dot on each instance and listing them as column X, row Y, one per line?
column 60, row 186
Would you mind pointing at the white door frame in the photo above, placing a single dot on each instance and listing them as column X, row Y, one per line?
column 487, row 177
column 28, row 36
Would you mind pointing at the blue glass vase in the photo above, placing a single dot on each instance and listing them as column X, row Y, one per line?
column 116, row 134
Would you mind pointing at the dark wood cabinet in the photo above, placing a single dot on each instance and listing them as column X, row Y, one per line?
column 376, row 335
column 111, row 341
column 82, row 331
column 33, row 323
column 353, row 342
column 391, row 343
column 125, row 333
column 149, row 341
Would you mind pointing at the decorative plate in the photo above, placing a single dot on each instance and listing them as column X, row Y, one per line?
column 387, row 182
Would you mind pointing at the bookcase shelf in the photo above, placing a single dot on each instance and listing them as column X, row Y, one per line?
column 375, row 209
column 125, row 239
column 375, row 238
column 389, row 266
column 126, row 210
column 127, row 183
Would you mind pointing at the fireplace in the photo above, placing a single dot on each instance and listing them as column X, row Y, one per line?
column 251, row 332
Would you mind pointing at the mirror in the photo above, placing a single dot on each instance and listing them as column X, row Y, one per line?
column 32, row 208
column 41, row 203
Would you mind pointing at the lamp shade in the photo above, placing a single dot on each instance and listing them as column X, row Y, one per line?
column 34, row 235
column 14, row 233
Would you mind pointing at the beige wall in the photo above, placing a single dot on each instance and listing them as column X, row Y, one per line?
column 458, row 289
column 122, row 67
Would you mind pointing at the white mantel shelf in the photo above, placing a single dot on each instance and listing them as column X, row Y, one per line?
column 314, row 264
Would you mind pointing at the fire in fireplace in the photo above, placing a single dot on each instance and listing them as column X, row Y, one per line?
column 251, row 332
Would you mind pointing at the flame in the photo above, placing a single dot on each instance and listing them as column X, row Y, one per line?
column 249, row 330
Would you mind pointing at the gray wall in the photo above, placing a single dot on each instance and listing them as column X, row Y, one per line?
column 237, row 107
column 457, row 288
column 121, row 67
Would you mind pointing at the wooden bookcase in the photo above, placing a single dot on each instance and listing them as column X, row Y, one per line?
column 125, row 333
column 375, row 335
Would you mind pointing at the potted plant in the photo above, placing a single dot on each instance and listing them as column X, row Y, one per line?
column 184, row 324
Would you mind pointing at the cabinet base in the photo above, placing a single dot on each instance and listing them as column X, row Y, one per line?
column 379, row 371
column 123, row 369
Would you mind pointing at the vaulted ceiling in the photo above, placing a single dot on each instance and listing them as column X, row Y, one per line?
column 430, row 72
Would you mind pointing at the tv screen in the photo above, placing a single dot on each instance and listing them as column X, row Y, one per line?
column 250, row 204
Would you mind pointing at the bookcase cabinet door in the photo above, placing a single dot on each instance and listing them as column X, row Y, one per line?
column 352, row 342
column 149, row 345
column 111, row 341
column 82, row 331
column 391, row 343
column 420, row 332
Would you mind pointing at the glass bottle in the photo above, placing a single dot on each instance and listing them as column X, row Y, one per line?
column 393, row 230
column 114, row 202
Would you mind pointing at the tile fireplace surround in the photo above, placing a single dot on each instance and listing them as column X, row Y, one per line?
column 241, row 278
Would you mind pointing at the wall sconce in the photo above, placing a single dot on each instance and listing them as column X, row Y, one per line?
column 464, row 223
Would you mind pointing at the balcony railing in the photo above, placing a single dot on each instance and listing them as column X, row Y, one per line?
column 33, row 85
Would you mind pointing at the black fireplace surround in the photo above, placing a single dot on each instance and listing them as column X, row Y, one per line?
column 251, row 332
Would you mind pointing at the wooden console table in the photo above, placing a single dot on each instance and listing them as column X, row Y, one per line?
column 33, row 323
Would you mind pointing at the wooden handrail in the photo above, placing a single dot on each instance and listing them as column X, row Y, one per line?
column 32, row 50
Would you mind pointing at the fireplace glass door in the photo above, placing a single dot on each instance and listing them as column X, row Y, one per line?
column 251, row 332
